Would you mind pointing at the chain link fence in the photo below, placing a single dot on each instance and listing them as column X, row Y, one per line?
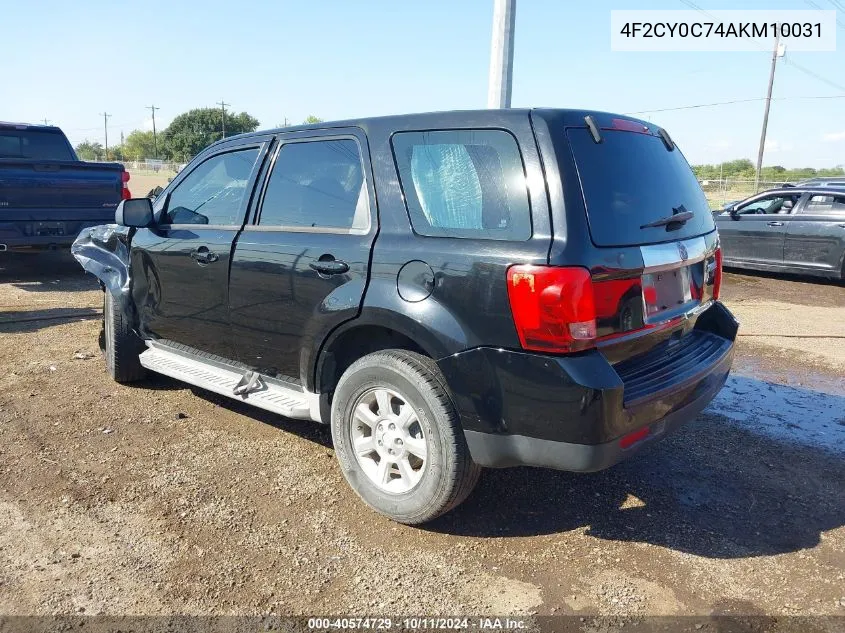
column 720, row 192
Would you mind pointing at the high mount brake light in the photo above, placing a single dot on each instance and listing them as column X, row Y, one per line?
column 553, row 307
column 629, row 126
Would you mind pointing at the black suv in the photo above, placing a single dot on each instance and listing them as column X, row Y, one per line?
column 448, row 291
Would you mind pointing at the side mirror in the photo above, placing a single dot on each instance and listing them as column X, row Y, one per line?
column 137, row 212
column 734, row 214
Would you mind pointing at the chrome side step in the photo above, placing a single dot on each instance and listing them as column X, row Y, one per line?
column 245, row 386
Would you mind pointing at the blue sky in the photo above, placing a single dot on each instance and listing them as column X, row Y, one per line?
column 69, row 61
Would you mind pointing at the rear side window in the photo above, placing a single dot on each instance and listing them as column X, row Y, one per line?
column 824, row 205
column 317, row 184
column 34, row 144
column 464, row 183
column 631, row 180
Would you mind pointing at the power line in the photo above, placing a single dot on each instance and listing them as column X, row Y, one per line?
column 836, row 4
column 721, row 103
column 698, row 105
column 810, row 73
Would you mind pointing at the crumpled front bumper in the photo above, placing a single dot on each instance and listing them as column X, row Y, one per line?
column 103, row 251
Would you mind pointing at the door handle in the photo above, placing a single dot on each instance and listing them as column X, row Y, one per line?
column 203, row 256
column 774, row 223
column 841, row 225
column 329, row 266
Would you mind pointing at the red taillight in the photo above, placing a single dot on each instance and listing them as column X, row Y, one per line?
column 717, row 275
column 125, row 194
column 626, row 441
column 553, row 307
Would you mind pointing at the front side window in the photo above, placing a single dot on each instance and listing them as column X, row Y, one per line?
column 769, row 206
column 214, row 192
column 464, row 183
column 825, row 205
column 319, row 185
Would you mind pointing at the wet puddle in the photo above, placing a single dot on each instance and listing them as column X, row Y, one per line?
column 797, row 413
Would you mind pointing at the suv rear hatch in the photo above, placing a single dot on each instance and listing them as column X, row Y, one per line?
column 634, row 229
column 633, row 184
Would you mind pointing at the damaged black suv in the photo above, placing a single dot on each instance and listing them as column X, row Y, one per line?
column 449, row 291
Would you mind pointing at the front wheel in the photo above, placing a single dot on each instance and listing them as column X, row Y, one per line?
column 121, row 346
column 398, row 438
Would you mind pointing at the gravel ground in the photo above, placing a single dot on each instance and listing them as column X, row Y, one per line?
column 161, row 499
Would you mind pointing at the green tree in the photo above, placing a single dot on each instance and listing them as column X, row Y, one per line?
column 139, row 145
column 191, row 132
column 312, row 119
column 88, row 150
column 743, row 168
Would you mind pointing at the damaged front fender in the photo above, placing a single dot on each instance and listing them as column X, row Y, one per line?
column 103, row 251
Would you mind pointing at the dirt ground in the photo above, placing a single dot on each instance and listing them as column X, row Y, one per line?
column 141, row 182
column 162, row 499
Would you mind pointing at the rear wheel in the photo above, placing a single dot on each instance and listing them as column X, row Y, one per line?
column 398, row 438
column 121, row 346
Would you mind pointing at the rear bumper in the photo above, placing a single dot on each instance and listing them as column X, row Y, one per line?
column 47, row 233
column 570, row 412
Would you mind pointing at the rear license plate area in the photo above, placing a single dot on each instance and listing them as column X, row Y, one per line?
column 47, row 229
column 674, row 290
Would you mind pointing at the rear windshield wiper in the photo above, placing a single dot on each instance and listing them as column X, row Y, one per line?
column 679, row 216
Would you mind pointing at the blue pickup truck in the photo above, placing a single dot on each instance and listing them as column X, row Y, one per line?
column 47, row 195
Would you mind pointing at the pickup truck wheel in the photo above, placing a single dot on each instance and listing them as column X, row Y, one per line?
column 398, row 438
column 121, row 345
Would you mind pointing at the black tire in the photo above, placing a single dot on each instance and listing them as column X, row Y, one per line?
column 450, row 474
column 121, row 346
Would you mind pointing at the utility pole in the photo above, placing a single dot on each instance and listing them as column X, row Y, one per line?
column 501, row 55
column 223, row 105
column 106, row 116
column 155, row 142
column 775, row 54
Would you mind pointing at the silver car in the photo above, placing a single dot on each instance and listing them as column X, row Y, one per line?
column 794, row 229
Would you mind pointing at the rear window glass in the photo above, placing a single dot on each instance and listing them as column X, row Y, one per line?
column 630, row 180
column 34, row 144
column 464, row 183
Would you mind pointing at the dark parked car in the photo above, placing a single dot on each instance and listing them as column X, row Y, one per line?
column 448, row 291
column 822, row 181
column 796, row 229
column 47, row 195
